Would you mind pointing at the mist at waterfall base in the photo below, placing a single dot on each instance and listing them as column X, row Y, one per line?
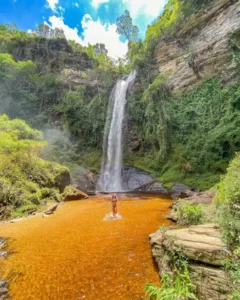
column 110, row 178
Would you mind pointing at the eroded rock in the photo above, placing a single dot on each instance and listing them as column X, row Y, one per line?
column 72, row 193
column 202, row 48
column 206, row 252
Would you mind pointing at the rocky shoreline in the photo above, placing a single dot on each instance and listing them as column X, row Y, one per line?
column 205, row 252
column 4, row 286
column 201, row 245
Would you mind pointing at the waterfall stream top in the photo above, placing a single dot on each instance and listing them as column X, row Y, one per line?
column 110, row 178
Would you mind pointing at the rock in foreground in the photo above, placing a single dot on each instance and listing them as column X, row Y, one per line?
column 206, row 252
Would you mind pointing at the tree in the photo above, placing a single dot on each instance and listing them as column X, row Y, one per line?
column 43, row 30
column 126, row 28
column 99, row 49
column 48, row 32
column 59, row 33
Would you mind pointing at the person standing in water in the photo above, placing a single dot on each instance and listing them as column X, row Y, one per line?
column 114, row 204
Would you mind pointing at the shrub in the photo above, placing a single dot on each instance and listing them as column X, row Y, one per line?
column 26, row 180
column 228, row 204
column 189, row 214
column 171, row 289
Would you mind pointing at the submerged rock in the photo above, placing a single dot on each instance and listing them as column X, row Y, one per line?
column 4, row 286
column 206, row 253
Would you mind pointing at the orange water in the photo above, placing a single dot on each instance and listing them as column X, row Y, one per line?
column 75, row 254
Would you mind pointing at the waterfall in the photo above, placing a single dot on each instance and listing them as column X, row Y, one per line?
column 110, row 178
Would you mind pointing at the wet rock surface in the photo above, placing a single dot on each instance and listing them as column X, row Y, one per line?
column 4, row 286
column 153, row 187
column 205, row 250
column 85, row 180
column 133, row 178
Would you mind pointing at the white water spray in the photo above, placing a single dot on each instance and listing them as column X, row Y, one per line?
column 110, row 178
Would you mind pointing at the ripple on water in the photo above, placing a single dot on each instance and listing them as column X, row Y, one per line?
column 75, row 254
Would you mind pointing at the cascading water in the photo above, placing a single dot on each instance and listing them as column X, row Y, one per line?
column 110, row 178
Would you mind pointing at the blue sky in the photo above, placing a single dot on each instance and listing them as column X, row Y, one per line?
column 85, row 21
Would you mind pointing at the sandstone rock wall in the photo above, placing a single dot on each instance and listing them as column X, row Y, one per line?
column 206, row 252
column 201, row 49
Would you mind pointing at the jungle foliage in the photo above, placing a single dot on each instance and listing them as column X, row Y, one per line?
column 190, row 138
column 228, row 203
column 33, row 86
column 26, row 180
column 176, row 285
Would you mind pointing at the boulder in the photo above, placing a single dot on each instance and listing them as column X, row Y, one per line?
column 62, row 178
column 210, row 282
column 85, row 180
column 177, row 189
column 72, row 193
column 135, row 178
column 201, row 243
column 153, row 187
column 206, row 253
column 199, row 198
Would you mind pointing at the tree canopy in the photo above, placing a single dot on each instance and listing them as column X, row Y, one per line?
column 126, row 28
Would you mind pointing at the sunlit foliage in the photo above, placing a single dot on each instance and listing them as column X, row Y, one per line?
column 26, row 180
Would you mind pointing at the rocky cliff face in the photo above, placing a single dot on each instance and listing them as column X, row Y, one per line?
column 206, row 253
column 202, row 48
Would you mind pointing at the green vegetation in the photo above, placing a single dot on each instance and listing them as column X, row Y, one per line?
column 126, row 28
column 189, row 214
column 34, row 78
column 189, row 138
column 193, row 137
column 176, row 286
column 233, row 267
column 26, row 180
column 228, row 204
column 179, row 288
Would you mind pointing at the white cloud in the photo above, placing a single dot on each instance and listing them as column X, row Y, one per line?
column 71, row 33
column 52, row 4
column 96, row 3
column 148, row 7
column 94, row 32
column 76, row 4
